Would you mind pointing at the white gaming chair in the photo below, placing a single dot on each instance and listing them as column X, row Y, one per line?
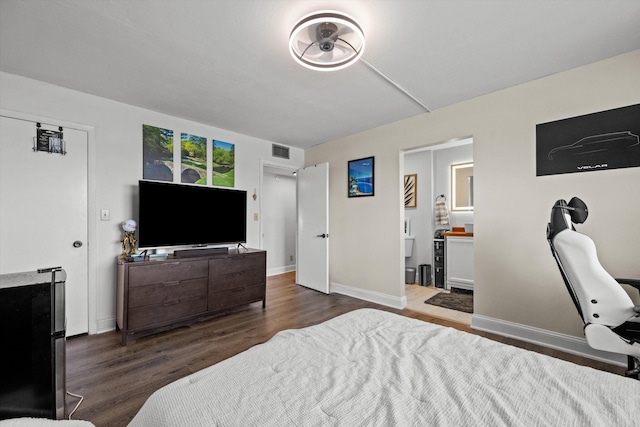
column 612, row 321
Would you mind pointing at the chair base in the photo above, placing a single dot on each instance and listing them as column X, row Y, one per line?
column 634, row 368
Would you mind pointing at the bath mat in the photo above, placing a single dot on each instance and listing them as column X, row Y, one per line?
column 458, row 299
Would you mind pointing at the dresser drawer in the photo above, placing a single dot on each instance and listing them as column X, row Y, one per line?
column 238, row 263
column 152, row 272
column 160, row 314
column 159, row 293
column 228, row 298
column 236, row 280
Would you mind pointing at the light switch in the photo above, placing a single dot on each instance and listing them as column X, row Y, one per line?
column 255, row 216
column 104, row 214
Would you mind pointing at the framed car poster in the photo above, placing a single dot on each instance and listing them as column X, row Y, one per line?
column 598, row 141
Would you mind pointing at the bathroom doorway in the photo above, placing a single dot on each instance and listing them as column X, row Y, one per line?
column 278, row 217
column 429, row 169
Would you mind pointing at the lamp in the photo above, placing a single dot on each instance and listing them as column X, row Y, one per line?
column 326, row 41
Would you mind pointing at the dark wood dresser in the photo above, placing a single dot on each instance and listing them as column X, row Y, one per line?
column 160, row 294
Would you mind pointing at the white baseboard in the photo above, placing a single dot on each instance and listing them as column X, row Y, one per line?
column 281, row 270
column 371, row 296
column 543, row 337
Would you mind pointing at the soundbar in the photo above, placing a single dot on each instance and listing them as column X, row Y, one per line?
column 186, row 253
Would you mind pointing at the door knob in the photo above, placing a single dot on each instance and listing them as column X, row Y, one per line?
column 323, row 235
column 77, row 244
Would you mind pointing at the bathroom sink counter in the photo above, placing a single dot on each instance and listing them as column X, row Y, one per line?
column 457, row 232
column 458, row 259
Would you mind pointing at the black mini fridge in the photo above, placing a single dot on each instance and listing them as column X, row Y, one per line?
column 439, row 264
column 33, row 351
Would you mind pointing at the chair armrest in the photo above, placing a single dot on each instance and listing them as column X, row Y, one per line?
column 632, row 282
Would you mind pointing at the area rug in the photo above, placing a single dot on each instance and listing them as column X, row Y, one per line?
column 458, row 299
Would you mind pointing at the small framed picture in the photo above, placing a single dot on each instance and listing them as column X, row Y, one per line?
column 50, row 141
column 410, row 190
column 361, row 177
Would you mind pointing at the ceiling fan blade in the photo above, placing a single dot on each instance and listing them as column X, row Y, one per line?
column 343, row 31
column 344, row 47
column 341, row 45
column 314, row 53
column 307, row 49
column 310, row 34
column 326, row 56
column 302, row 45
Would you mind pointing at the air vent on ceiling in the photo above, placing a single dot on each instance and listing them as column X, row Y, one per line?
column 279, row 151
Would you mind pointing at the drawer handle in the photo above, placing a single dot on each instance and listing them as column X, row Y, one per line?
column 174, row 283
column 237, row 290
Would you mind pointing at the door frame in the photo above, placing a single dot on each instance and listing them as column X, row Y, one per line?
column 92, row 300
column 287, row 169
column 449, row 143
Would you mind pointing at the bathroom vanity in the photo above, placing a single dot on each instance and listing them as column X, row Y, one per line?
column 459, row 259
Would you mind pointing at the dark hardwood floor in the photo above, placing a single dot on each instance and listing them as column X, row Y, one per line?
column 116, row 380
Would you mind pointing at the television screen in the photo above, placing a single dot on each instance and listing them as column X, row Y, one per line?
column 190, row 215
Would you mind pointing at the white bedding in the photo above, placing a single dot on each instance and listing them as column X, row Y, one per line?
column 374, row 368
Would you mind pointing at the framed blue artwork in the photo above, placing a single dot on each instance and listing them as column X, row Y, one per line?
column 361, row 177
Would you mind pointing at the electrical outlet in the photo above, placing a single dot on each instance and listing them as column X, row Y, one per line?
column 290, row 257
column 104, row 215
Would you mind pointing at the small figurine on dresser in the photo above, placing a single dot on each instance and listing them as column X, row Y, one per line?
column 128, row 240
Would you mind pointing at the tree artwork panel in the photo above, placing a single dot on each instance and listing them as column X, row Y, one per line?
column 193, row 155
column 223, row 164
column 157, row 153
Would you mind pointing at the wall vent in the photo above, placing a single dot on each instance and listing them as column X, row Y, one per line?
column 280, row 151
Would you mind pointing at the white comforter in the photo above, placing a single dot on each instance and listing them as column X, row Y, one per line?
column 373, row 368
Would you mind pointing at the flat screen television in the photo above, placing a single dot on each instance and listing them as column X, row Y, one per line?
column 179, row 215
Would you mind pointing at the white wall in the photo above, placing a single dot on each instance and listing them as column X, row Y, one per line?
column 516, row 279
column 279, row 221
column 115, row 166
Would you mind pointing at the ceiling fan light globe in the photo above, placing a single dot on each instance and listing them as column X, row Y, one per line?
column 326, row 45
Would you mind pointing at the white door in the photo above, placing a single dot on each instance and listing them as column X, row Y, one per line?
column 43, row 211
column 312, row 270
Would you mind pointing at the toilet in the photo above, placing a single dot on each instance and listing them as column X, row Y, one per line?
column 408, row 246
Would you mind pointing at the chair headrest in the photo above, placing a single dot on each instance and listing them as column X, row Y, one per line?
column 563, row 214
column 579, row 211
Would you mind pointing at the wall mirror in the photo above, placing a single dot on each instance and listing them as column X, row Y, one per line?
column 462, row 187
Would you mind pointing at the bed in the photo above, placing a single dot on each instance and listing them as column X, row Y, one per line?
column 371, row 367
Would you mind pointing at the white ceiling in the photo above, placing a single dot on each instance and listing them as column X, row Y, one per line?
column 226, row 63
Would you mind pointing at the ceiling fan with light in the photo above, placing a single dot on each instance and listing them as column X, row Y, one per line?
column 329, row 41
column 326, row 40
